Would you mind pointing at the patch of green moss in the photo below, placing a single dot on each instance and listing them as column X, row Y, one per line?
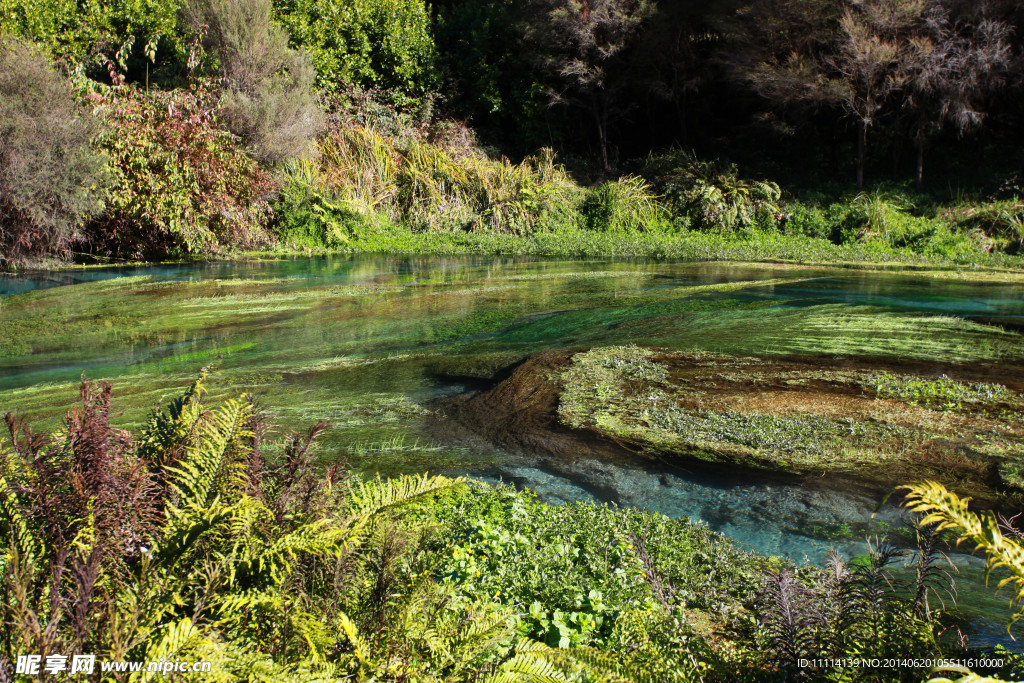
column 773, row 416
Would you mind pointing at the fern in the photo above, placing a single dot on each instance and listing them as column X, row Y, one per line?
column 168, row 431
column 947, row 510
column 15, row 532
column 210, row 466
column 376, row 496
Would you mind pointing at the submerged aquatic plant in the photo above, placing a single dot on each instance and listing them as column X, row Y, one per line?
column 942, row 392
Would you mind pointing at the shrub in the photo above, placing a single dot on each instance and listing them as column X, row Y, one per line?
column 183, row 185
column 813, row 221
column 1000, row 224
column 51, row 179
column 712, row 196
column 184, row 540
column 433, row 189
column 77, row 31
column 268, row 99
column 310, row 215
column 623, row 205
column 373, row 44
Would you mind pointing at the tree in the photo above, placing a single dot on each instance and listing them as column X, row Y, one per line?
column 848, row 56
column 950, row 69
column 581, row 43
column 370, row 44
column 866, row 66
column 268, row 99
column 51, row 179
column 487, row 78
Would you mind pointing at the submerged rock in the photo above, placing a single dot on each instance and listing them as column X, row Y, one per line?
column 876, row 424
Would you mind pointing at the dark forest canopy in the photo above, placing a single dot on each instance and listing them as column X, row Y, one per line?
column 796, row 81
column 803, row 80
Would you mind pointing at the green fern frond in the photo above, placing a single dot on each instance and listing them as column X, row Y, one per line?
column 213, row 462
column 15, row 532
column 360, row 649
column 948, row 511
column 273, row 562
column 168, row 430
column 176, row 641
column 369, row 498
column 184, row 531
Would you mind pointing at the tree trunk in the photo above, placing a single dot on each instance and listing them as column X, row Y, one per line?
column 600, row 114
column 919, row 170
column 862, row 144
column 834, row 153
column 681, row 113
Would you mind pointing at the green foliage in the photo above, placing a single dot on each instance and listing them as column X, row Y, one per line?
column 479, row 45
column 942, row 393
column 193, row 547
column 184, row 542
column 363, row 175
column 372, row 44
column 310, row 216
column 1001, row 223
column 947, row 510
column 80, row 30
column 51, row 180
column 999, row 542
column 575, row 568
column 709, row 196
column 841, row 611
column 182, row 185
column 623, row 205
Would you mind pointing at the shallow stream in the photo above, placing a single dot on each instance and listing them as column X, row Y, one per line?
column 374, row 343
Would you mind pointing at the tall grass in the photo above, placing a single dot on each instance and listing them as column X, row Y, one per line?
column 432, row 189
column 368, row 190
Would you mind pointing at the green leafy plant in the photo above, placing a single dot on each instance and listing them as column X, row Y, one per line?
column 942, row 393
column 183, row 185
column 267, row 97
column 624, row 205
column 997, row 539
column 310, row 216
column 369, row 44
column 712, row 196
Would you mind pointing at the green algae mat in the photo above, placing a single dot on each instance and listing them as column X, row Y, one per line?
column 369, row 342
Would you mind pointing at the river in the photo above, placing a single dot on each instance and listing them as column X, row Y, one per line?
column 374, row 343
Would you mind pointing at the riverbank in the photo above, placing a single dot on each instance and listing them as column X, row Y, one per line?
column 766, row 248
column 687, row 246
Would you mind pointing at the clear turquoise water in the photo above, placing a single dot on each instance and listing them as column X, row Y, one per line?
column 372, row 342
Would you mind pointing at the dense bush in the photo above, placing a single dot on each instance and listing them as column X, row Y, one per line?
column 623, row 205
column 51, row 180
column 999, row 224
column 431, row 188
column 310, row 215
column 78, row 31
column 375, row 44
column 480, row 47
column 183, row 543
column 182, row 185
column 268, row 99
column 711, row 196
column 203, row 538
